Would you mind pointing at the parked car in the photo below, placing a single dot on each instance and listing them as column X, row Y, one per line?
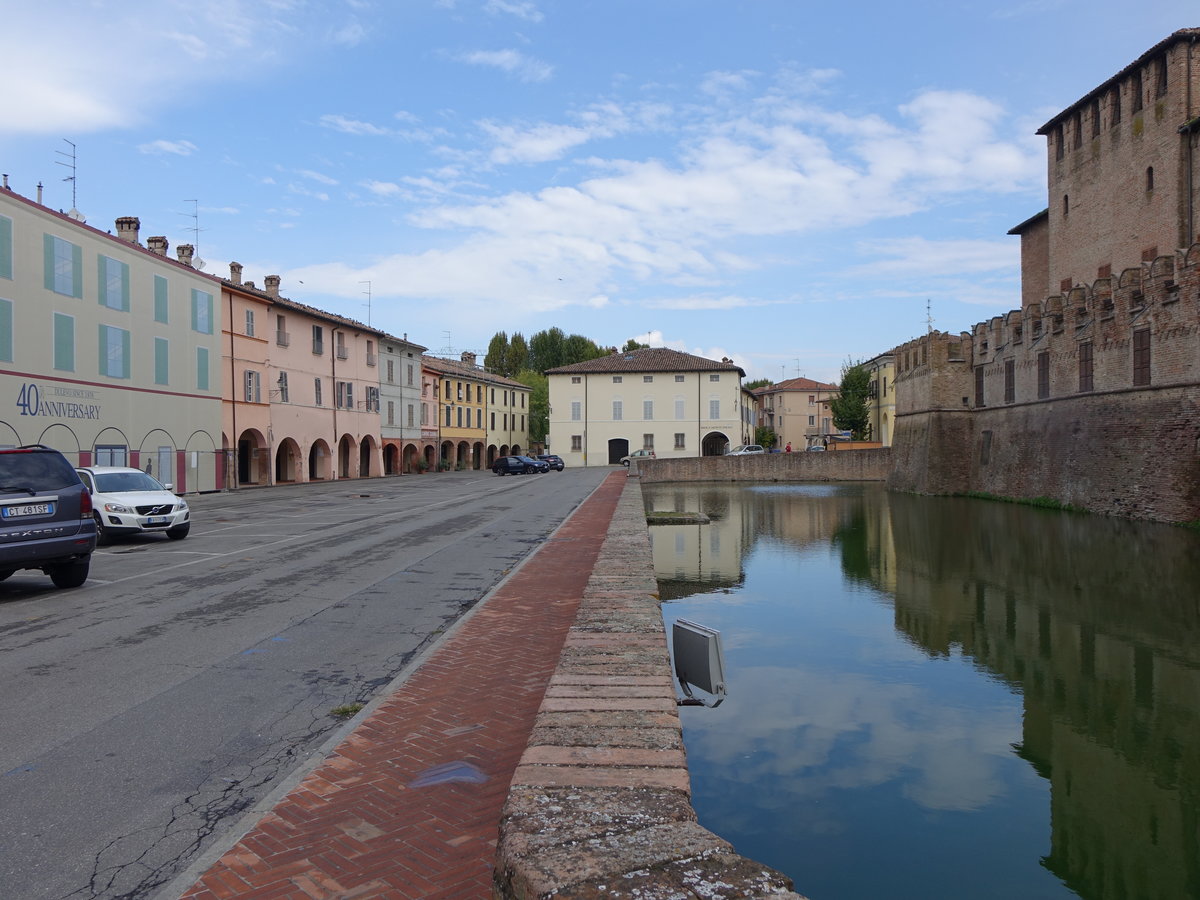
column 745, row 450
column 816, row 447
column 45, row 516
column 130, row 501
column 637, row 454
column 554, row 462
column 518, row 465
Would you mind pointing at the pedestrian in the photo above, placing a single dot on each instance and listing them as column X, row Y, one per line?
column 788, row 448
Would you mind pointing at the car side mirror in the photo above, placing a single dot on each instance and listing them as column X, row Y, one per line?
column 168, row 486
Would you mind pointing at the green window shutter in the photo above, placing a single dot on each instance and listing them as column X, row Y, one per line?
column 202, row 368
column 124, row 286
column 195, row 310
column 160, row 299
column 103, row 357
column 6, row 328
column 48, row 260
column 6, row 248
column 76, row 271
column 124, row 354
column 160, row 361
column 102, row 280
column 208, row 302
column 64, row 343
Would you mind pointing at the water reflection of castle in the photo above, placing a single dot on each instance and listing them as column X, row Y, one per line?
column 1096, row 622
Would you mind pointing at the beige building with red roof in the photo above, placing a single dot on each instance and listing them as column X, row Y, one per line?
column 797, row 411
column 671, row 403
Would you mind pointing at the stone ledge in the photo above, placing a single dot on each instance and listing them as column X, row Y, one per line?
column 599, row 804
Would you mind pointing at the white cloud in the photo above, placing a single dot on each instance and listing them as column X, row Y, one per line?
column 351, row 126
column 179, row 148
column 512, row 61
column 382, row 188
column 921, row 256
column 316, row 176
column 522, row 9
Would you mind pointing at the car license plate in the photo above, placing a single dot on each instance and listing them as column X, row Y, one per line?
column 157, row 520
column 29, row 509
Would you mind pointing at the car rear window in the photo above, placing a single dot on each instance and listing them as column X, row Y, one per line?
column 36, row 470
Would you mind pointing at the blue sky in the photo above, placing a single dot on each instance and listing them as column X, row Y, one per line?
column 782, row 182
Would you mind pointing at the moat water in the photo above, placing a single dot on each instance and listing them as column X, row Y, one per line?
column 941, row 697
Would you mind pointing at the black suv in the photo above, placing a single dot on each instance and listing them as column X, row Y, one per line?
column 553, row 461
column 518, row 465
column 45, row 516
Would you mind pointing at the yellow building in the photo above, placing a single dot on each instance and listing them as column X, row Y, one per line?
column 882, row 397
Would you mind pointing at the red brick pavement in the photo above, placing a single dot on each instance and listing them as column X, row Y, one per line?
column 357, row 826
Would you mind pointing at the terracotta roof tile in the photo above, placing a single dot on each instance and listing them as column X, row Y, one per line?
column 655, row 359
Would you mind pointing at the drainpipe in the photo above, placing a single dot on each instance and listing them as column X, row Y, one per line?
column 336, row 450
column 233, row 392
column 586, row 420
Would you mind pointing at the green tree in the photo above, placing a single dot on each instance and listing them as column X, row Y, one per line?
column 851, row 408
column 632, row 344
column 517, row 359
column 547, row 349
column 497, row 353
column 577, row 349
column 757, row 383
column 539, row 404
column 764, row 436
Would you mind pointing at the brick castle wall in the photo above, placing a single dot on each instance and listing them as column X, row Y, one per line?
column 1007, row 408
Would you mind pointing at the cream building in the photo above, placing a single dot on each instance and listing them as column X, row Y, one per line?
column 109, row 351
column 400, row 396
column 797, row 410
column 672, row 403
column 882, row 398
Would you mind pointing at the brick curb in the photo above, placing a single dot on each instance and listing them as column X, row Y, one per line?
column 600, row 802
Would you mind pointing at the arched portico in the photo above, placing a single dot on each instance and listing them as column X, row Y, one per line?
column 714, row 444
column 319, row 461
column 368, row 464
column 252, row 461
column 345, row 457
column 287, row 462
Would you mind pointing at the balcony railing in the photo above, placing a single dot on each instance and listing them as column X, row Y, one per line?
column 343, row 353
column 371, row 359
column 282, row 339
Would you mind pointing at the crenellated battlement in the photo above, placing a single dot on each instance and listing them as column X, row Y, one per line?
column 1041, row 352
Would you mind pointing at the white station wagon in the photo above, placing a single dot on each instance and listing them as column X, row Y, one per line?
column 129, row 501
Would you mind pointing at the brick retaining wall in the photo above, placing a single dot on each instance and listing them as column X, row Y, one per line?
column 600, row 805
column 842, row 465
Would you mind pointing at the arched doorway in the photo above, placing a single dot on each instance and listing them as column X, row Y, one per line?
column 617, row 448
column 411, row 455
column 318, row 461
column 251, row 457
column 477, row 457
column 462, row 455
column 430, row 457
column 714, row 444
column 391, row 459
column 446, row 460
column 287, row 462
column 345, row 455
column 366, row 453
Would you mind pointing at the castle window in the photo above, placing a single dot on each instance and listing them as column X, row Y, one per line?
column 1135, row 84
column 1059, row 145
column 1150, row 178
column 1141, row 357
column 1043, row 364
column 1010, row 381
column 979, row 387
column 1160, row 87
column 1114, row 105
column 1077, row 128
column 1085, row 367
column 1066, row 205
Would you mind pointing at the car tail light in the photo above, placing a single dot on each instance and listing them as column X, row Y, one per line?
column 85, row 505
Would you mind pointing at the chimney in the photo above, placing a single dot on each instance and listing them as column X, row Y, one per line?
column 157, row 244
column 271, row 284
column 39, row 200
column 127, row 228
column 235, row 272
column 184, row 252
column 468, row 357
column 6, row 182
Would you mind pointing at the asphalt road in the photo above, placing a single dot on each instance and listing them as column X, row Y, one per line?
column 143, row 714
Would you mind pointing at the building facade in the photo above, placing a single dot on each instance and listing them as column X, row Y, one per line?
column 882, row 397
column 400, row 396
column 1089, row 394
column 672, row 403
column 797, row 411
column 109, row 351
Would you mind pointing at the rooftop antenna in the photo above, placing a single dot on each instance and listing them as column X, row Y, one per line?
column 368, row 293
column 194, row 215
column 929, row 315
column 449, row 349
column 70, row 164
